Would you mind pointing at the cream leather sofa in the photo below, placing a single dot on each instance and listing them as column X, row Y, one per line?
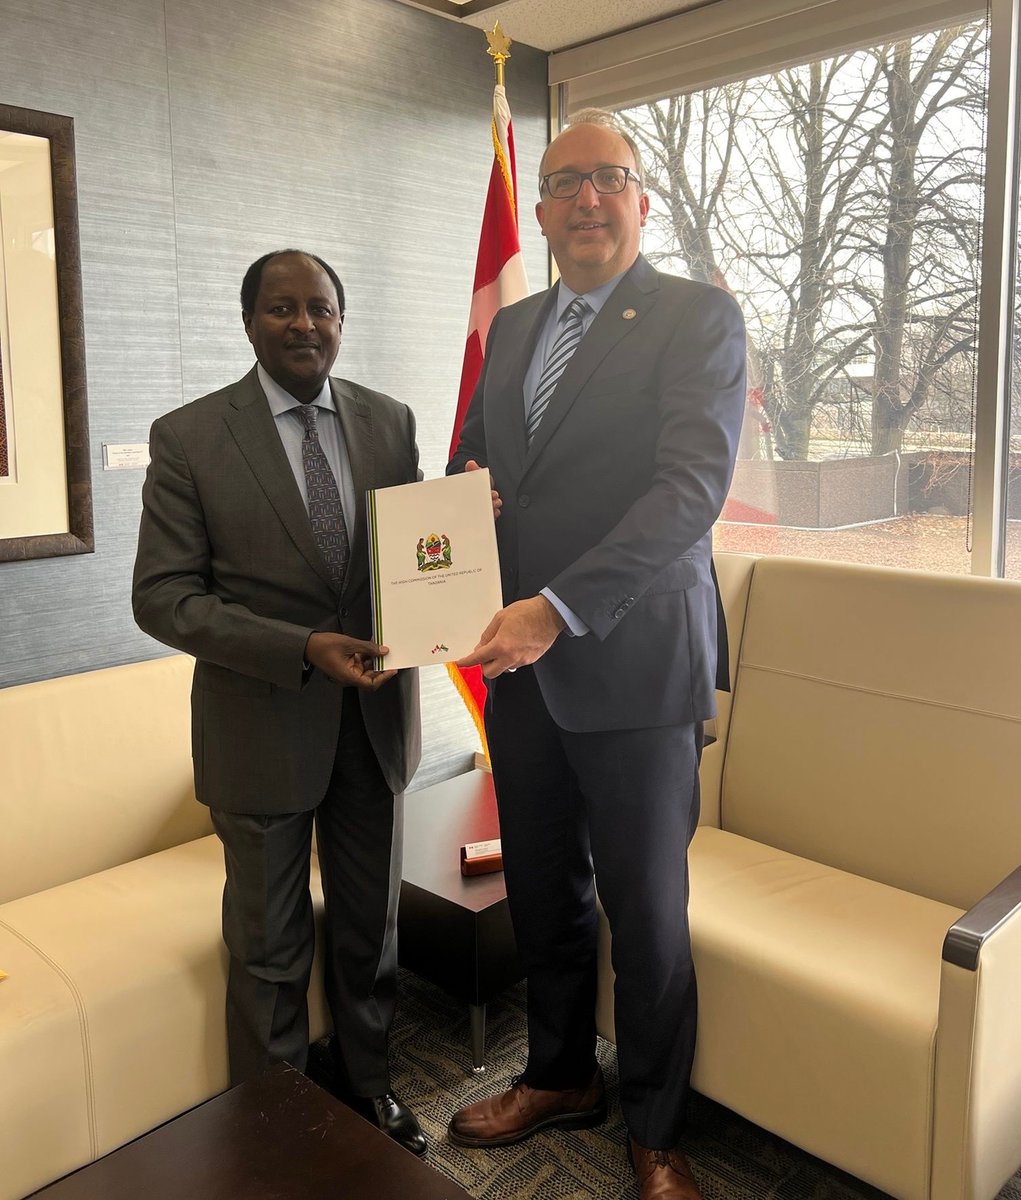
column 111, row 1015
column 858, row 957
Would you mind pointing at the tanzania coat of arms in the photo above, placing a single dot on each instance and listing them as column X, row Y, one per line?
column 433, row 552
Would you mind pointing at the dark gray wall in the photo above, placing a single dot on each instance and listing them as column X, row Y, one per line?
column 207, row 134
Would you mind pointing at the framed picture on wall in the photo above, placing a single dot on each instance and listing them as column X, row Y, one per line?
column 45, row 476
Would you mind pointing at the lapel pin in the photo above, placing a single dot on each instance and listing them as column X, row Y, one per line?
column 629, row 314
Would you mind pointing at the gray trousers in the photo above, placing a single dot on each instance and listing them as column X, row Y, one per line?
column 269, row 930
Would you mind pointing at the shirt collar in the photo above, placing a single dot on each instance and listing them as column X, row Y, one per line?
column 594, row 299
column 281, row 401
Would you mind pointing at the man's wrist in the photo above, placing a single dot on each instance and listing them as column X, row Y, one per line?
column 570, row 620
column 306, row 662
column 553, row 616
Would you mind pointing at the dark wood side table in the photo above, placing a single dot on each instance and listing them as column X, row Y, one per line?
column 456, row 931
column 278, row 1137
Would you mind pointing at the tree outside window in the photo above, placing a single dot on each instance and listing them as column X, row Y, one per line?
column 841, row 201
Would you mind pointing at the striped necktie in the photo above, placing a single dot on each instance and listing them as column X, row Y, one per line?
column 565, row 345
column 325, row 513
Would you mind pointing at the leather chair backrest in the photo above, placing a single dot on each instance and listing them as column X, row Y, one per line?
column 95, row 770
column 876, row 724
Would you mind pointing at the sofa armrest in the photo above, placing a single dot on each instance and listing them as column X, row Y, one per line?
column 963, row 943
column 976, row 1137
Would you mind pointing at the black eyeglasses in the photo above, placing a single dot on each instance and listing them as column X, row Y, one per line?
column 563, row 185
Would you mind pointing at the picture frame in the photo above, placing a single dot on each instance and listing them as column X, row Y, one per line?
column 45, row 470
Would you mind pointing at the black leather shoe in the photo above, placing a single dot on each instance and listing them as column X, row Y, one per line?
column 386, row 1112
column 395, row 1119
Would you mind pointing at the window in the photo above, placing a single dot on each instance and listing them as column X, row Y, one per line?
column 841, row 201
column 848, row 172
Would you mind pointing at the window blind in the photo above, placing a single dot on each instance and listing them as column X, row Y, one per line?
column 736, row 39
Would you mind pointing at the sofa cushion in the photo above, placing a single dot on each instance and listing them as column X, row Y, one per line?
column 44, row 1105
column 135, row 962
column 818, row 1003
column 78, row 753
column 876, row 724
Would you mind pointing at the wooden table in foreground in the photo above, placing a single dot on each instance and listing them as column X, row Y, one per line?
column 455, row 931
column 278, row 1137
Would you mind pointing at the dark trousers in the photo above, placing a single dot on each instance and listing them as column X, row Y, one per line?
column 268, row 921
column 626, row 803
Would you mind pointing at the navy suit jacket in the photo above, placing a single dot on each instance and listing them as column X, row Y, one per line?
column 613, row 503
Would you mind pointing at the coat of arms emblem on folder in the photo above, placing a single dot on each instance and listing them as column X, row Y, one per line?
column 433, row 552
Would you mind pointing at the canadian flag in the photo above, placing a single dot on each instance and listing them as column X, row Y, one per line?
column 499, row 280
column 752, row 499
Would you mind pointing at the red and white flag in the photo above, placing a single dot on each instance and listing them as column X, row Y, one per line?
column 752, row 499
column 499, row 280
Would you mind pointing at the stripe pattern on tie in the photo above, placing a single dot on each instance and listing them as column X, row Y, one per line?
column 565, row 345
column 325, row 512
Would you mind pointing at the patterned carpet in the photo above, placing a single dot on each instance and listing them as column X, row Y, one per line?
column 732, row 1159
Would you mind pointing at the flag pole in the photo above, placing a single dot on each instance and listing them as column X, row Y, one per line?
column 499, row 50
column 499, row 280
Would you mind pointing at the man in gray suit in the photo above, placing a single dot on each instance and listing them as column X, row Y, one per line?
column 608, row 412
column 252, row 556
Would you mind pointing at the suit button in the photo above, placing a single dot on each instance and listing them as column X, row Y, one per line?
column 524, row 501
column 344, row 612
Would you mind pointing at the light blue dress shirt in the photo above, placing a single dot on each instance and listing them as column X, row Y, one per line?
column 547, row 336
column 331, row 438
column 551, row 327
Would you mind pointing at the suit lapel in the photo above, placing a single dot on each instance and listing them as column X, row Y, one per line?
column 620, row 317
column 505, row 426
column 251, row 423
column 356, row 423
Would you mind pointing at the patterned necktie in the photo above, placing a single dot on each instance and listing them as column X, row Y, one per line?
column 565, row 345
column 324, row 509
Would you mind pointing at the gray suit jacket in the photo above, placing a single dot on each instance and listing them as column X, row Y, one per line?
column 227, row 570
column 612, row 504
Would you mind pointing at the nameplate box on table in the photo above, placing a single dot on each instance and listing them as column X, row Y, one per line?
column 482, row 858
column 435, row 569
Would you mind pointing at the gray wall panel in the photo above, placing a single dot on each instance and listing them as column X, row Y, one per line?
column 205, row 136
column 105, row 65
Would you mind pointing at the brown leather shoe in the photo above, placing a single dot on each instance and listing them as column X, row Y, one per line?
column 662, row 1174
column 521, row 1111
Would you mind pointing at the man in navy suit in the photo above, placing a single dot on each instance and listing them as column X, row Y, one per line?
column 610, row 428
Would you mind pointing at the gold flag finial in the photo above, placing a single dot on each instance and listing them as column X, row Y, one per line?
column 499, row 49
